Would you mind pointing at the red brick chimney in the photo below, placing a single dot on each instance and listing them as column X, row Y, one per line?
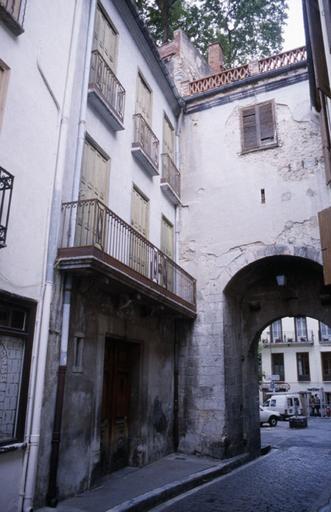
column 215, row 57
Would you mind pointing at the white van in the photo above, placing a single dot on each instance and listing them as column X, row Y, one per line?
column 287, row 404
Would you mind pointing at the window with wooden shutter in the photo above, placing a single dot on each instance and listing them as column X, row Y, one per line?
column 140, row 212
column 327, row 15
column 167, row 238
column 324, row 218
column 144, row 99
column 168, row 138
column 105, row 38
column 258, row 126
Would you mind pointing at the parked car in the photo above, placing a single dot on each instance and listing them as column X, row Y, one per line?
column 268, row 416
column 287, row 404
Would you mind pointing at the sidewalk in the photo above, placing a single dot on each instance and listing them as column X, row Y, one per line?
column 139, row 489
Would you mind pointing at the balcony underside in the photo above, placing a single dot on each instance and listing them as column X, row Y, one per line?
column 143, row 159
column 11, row 23
column 104, row 110
column 170, row 193
column 93, row 260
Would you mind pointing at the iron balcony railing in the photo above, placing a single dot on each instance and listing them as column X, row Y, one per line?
column 170, row 173
column 105, row 81
column 6, row 189
column 89, row 223
column 13, row 12
column 145, row 138
column 288, row 337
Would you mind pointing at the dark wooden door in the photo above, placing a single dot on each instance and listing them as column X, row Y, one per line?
column 115, row 406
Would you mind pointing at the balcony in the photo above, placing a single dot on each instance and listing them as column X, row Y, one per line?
column 94, row 238
column 170, row 181
column 6, row 189
column 12, row 14
column 106, row 94
column 288, row 338
column 145, row 146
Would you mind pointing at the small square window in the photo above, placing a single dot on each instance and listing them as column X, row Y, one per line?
column 258, row 126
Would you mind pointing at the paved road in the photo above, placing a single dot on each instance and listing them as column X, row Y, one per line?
column 294, row 477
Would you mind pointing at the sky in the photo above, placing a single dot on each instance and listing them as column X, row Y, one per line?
column 294, row 32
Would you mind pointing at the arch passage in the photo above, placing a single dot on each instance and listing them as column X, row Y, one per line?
column 253, row 299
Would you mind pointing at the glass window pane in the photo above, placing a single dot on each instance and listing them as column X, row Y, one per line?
column 11, row 364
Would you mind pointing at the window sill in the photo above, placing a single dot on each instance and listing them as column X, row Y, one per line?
column 12, row 447
column 260, row 148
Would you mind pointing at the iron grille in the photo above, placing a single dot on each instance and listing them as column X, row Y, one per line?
column 6, row 189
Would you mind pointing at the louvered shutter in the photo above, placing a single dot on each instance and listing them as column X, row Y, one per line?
column 94, row 175
column 105, row 39
column 167, row 238
column 327, row 14
column 249, row 129
column 266, row 122
column 140, row 213
column 326, row 134
column 168, row 138
column 324, row 218
column 144, row 100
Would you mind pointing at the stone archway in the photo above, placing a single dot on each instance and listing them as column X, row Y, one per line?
column 253, row 299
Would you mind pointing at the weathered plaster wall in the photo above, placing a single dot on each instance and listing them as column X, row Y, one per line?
column 225, row 227
column 94, row 316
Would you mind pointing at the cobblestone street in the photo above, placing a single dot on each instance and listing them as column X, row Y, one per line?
column 294, row 477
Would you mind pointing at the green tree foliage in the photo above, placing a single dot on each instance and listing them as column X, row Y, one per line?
column 246, row 29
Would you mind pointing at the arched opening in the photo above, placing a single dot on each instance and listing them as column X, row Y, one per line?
column 260, row 293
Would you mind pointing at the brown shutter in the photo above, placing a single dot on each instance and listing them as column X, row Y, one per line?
column 326, row 137
column 266, row 121
column 249, row 129
column 324, row 218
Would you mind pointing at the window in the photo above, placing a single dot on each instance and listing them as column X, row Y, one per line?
column 276, row 332
column 258, row 126
column 325, row 332
column 303, row 366
column 16, row 326
column 167, row 237
column 326, row 365
column 324, row 219
column 168, row 138
column 277, row 365
column 12, row 13
column 144, row 99
column 300, row 323
column 105, row 38
column 140, row 212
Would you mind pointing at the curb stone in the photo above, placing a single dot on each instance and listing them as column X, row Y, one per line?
column 156, row 496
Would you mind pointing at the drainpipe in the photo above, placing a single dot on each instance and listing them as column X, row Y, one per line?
column 67, row 291
column 37, row 379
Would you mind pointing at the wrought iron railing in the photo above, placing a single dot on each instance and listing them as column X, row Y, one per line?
column 89, row 223
column 13, row 10
column 170, row 173
column 105, row 81
column 145, row 138
column 6, row 189
column 241, row 72
column 288, row 337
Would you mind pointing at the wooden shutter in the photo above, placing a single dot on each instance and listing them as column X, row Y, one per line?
column 94, row 175
column 249, row 129
column 266, row 122
column 144, row 100
column 324, row 218
column 140, row 212
column 168, row 138
column 105, row 38
column 167, row 238
column 326, row 134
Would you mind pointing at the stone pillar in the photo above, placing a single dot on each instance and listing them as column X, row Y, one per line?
column 215, row 57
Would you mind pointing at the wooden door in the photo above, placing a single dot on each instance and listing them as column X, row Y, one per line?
column 90, row 221
column 115, row 414
column 167, row 247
